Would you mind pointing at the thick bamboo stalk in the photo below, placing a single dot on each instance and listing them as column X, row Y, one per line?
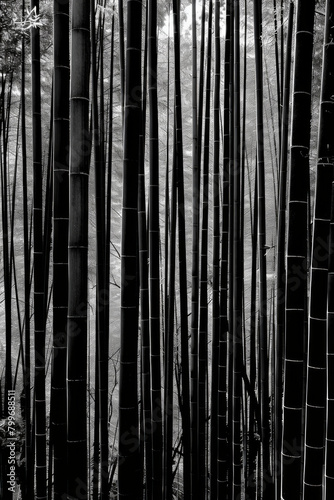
column 128, row 453
column 60, row 241
column 296, row 282
column 316, row 358
column 78, row 250
column 329, row 435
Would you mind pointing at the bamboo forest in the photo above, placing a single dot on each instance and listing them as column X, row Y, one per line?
column 167, row 249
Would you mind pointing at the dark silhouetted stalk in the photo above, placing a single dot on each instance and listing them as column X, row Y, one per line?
column 315, row 418
column 60, row 241
column 128, row 452
column 182, row 256
column 280, row 260
column 78, row 248
column 296, row 270
column 39, row 305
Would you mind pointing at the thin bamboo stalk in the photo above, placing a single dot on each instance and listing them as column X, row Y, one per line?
column 195, row 263
column 237, row 271
column 203, row 311
column 28, row 486
column 216, row 221
column 264, row 362
column 153, row 251
column 39, row 319
column 224, row 330
column 182, row 254
column 280, row 259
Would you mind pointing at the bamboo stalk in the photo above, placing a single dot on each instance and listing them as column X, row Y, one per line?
column 224, row 329
column 237, row 271
column 264, row 362
column 295, row 311
column 280, row 259
column 153, row 252
column 195, row 262
column 78, row 249
column 129, row 465
column 39, row 319
column 316, row 357
column 182, row 253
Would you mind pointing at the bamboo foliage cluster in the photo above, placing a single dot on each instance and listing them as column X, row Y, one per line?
column 222, row 349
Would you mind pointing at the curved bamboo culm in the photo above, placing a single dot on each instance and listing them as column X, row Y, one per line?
column 60, row 240
column 280, row 260
column 316, row 358
column 128, row 453
column 296, row 272
column 40, row 409
column 78, row 251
